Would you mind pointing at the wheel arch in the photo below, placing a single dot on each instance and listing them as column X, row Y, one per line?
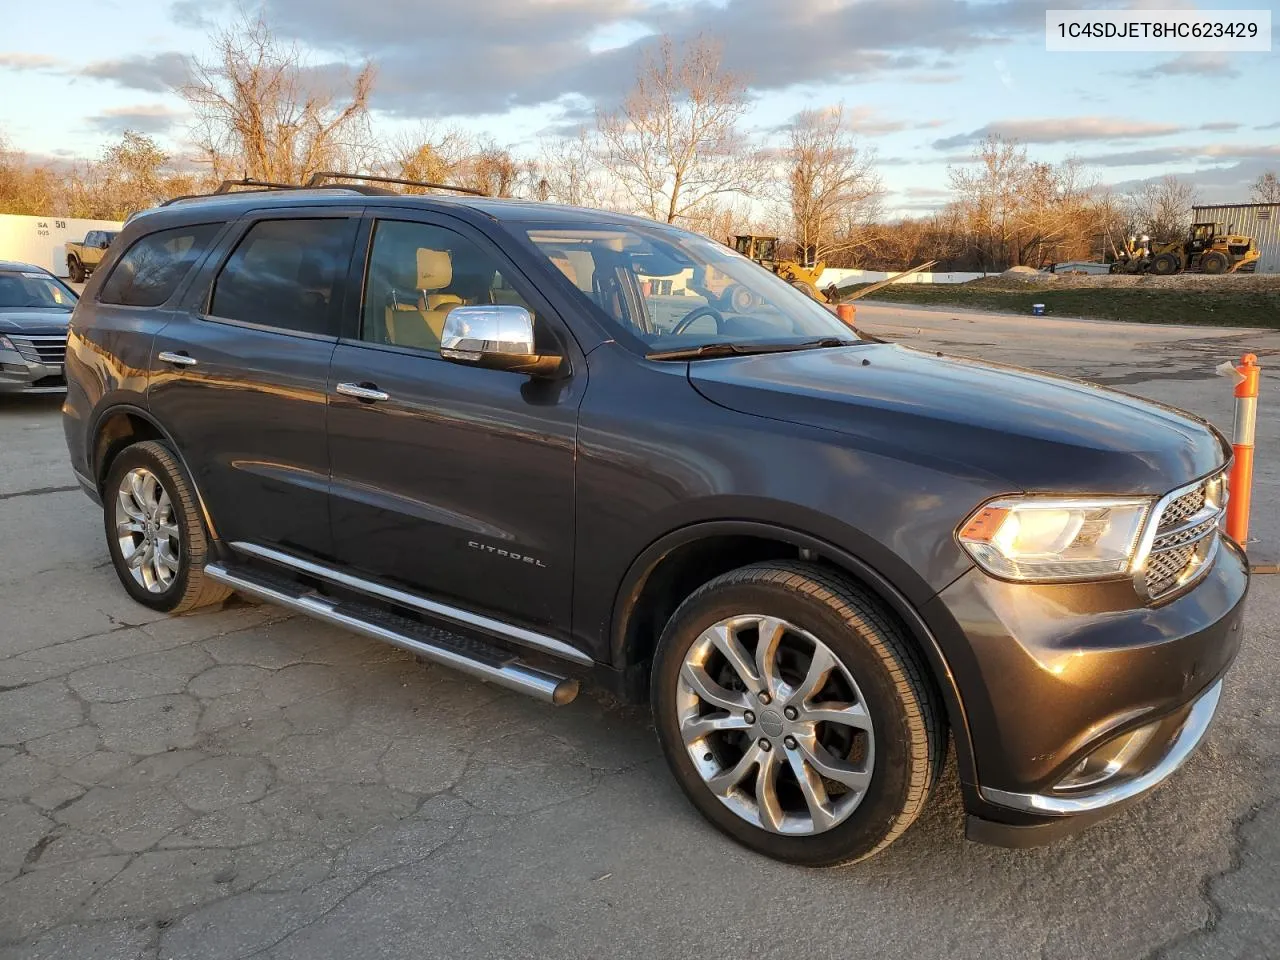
column 122, row 424
column 660, row 577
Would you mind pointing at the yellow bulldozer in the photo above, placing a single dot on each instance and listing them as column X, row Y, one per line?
column 764, row 251
column 1208, row 248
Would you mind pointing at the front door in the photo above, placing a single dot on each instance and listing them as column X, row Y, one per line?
column 453, row 481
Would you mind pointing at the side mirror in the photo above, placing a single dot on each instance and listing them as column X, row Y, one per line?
column 498, row 337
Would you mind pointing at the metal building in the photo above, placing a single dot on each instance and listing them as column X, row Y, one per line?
column 1259, row 220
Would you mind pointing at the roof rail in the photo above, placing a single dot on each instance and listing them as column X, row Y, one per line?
column 318, row 179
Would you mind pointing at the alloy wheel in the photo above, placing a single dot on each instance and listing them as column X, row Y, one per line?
column 146, row 530
column 775, row 725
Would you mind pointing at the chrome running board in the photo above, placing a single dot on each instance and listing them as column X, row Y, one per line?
column 461, row 653
column 403, row 598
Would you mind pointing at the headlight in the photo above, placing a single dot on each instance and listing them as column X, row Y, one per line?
column 1042, row 538
column 7, row 344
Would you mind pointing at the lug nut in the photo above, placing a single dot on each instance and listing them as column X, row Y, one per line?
column 791, row 713
column 749, row 717
column 766, row 746
column 765, row 698
column 790, row 742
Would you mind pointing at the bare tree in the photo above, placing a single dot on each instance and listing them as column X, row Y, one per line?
column 569, row 171
column 1266, row 189
column 25, row 188
column 135, row 174
column 1014, row 211
column 674, row 143
column 262, row 113
column 833, row 191
column 1162, row 208
column 429, row 154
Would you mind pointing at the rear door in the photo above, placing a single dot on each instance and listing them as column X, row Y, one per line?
column 239, row 377
column 457, row 482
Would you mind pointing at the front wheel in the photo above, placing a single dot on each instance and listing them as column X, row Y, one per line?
column 796, row 714
column 76, row 270
column 155, row 532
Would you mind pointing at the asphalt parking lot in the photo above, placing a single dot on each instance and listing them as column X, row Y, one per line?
column 242, row 783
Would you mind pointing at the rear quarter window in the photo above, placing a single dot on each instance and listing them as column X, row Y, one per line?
column 151, row 269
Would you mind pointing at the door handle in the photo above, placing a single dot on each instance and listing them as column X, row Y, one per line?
column 363, row 391
column 182, row 359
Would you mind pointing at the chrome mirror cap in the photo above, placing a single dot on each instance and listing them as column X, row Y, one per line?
column 498, row 336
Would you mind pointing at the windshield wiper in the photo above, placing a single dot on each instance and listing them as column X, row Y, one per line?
column 711, row 350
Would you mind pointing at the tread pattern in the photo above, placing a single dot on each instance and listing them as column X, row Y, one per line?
column 897, row 652
column 200, row 591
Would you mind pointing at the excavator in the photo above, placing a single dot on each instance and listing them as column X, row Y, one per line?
column 1211, row 248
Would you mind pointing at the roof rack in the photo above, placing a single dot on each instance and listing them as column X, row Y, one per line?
column 250, row 185
column 318, row 179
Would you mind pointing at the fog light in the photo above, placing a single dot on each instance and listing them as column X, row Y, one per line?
column 1108, row 760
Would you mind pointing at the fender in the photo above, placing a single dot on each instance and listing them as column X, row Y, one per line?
column 143, row 414
column 640, row 569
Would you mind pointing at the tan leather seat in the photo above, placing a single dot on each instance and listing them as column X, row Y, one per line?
column 421, row 323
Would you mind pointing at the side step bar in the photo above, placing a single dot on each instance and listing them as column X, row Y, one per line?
column 461, row 653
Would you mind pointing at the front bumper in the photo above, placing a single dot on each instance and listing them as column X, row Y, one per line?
column 1053, row 677
column 21, row 374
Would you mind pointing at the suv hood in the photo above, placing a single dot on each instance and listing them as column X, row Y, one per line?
column 35, row 322
column 1028, row 431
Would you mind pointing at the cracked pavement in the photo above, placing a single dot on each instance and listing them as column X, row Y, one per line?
column 244, row 783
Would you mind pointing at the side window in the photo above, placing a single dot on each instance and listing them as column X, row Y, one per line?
column 151, row 270
column 287, row 274
column 417, row 274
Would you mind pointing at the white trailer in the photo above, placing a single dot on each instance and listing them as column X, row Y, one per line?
column 42, row 240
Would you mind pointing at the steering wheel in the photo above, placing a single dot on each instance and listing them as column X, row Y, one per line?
column 687, row 320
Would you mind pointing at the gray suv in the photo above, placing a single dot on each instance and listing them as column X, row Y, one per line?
column 543, row 445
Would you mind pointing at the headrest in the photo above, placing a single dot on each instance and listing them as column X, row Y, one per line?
column 561, row 259
column 435, row 269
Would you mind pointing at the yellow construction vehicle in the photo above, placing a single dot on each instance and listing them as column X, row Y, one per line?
column 764, row 251
column 1208, row 248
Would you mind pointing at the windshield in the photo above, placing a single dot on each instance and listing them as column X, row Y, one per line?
column 678, row 291
column 34, row 290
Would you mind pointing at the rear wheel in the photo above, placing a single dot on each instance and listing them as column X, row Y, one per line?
column 155, row 532
column 1165, row 265
column 796, row 715
column 1215, row 262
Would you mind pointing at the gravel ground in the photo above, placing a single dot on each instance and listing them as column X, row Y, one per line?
column 242, row 783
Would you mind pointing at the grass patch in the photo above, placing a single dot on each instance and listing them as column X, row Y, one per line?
column 1166, row 304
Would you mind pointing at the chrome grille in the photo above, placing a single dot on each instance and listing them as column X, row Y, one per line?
column 1185, row 538
column 47, row 350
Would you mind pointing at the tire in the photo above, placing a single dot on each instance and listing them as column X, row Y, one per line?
column 177, row 584
column 807, row 288
column 76, row 269
column 875, row 667
column 1215, row 263
column 1166, row 265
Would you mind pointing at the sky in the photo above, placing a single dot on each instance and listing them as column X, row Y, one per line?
column 920, row 80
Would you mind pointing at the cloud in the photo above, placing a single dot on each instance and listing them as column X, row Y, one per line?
column 144, row 118
column 1190, row 153
column 1062, row 130
column 1218, row 65
column 156, row 73
column 1269, row 126
column 1221, row 126
column 1227, row 183
column 488, row 56
column 28, row 61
